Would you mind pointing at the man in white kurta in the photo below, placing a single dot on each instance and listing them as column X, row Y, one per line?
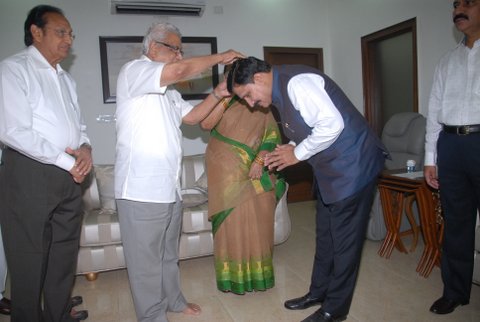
column 148, row 165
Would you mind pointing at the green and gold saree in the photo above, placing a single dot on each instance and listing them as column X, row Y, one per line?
column 242, row 210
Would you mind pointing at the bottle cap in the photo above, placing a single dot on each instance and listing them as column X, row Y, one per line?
column 411, row 163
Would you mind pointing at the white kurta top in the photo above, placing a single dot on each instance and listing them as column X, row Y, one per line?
column 149, row 139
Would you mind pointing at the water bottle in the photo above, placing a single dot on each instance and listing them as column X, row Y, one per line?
column 411, row 165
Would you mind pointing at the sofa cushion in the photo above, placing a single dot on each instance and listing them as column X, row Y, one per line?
column 195, row 219
column 106, row 189
column 193, row 168
column 201, row 183
column 193, row 197
column 100, row 227
column 195, row 245
column 100, row 258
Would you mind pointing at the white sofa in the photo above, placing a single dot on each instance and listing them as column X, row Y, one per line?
column 101, row 244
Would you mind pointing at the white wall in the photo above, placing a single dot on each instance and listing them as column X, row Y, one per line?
column 354, row 19
column 245, row 25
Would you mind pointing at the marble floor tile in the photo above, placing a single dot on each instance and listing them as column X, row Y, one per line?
column 388, row 290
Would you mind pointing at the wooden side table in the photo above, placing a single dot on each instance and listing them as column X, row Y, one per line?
column 398, row 190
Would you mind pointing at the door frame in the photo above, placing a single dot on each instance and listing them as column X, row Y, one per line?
column 300, row 175
column 371, row 85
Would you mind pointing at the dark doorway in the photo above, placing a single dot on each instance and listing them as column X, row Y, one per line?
column 299, row 176
column 389, row 61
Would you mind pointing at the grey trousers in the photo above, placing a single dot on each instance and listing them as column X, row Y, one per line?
column 150, row 235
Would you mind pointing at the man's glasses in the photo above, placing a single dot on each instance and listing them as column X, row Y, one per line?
column 62, row 33
column 175, row 49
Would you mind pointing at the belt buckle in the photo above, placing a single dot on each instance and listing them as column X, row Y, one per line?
column 464, row 130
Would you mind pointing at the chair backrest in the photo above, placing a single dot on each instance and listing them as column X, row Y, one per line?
column 404, row 137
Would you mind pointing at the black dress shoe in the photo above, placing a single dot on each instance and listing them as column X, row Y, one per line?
column 322, row 316
column 5, row 306
column 445, row 306
column 76, row 300
column 79, row 315
column 301, row 303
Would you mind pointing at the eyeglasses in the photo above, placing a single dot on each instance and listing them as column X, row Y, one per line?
column 467, row 3
column 62, row 33
column 175, row 49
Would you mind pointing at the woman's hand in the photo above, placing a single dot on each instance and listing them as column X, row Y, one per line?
column 256, row 171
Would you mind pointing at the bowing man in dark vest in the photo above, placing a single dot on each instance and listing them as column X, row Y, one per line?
column 326, row 130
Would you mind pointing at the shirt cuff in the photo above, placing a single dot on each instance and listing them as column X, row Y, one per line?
column 65, row 161
column 430, row 158
column 301, row 153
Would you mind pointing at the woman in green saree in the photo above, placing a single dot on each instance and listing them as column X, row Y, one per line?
column 242, row 194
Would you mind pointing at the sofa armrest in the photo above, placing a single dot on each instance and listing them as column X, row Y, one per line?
column 193, row 167
column 283, row 224
column 91, row 197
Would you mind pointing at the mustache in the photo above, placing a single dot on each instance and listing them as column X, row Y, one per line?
column 460, row 16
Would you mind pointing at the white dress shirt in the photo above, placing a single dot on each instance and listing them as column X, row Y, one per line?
column 455, row 95
column 308, row 96
column 39, row 112
column 149, row 139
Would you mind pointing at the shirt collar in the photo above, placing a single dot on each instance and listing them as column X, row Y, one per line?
column 462, row 43
column 40, row 61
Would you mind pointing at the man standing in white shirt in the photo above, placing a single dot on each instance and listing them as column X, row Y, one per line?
column 452, row 154
column 46, row 155
column 148, row 166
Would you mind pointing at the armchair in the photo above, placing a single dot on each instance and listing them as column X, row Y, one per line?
column 404, row 137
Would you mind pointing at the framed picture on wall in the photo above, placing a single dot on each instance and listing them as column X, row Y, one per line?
column 118, row 50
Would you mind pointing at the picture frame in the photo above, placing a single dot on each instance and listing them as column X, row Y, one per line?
column 117, row 50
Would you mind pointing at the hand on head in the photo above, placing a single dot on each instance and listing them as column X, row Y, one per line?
column 230, row 56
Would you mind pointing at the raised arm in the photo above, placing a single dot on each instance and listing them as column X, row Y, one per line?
column 180, row 70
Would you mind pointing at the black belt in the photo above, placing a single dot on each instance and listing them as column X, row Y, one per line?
column 462, row 129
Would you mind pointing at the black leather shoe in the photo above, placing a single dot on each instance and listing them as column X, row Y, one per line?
column 301, row 303
column 445, row 306
column 79, row 315
column 5, row 306
column 76, row 300
column 322, row 316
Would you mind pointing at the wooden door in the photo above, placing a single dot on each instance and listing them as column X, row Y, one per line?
column 299, row 176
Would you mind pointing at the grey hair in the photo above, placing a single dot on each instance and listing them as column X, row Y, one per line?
column 158, row 32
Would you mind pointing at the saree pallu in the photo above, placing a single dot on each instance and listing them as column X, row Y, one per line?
column 242, row 210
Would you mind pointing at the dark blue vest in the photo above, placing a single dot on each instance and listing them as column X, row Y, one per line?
column 353, row 160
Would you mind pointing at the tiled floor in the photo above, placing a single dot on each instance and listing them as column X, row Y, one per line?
column 387, row 290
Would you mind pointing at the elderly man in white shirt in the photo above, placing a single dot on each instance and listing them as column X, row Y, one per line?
column 47, row 155
column 452, row 154
column 148, row 164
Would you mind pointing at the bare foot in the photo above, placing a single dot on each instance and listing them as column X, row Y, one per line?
column 192, row 309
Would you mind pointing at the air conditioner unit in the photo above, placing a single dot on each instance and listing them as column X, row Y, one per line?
column 192, row 8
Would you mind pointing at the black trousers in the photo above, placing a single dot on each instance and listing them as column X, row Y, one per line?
column 340, row 233
column 459, row 179
column 40, row 215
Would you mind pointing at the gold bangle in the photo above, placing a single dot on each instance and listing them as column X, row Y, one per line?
column 225, row 103
column 216, row 96
column 259, row 160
